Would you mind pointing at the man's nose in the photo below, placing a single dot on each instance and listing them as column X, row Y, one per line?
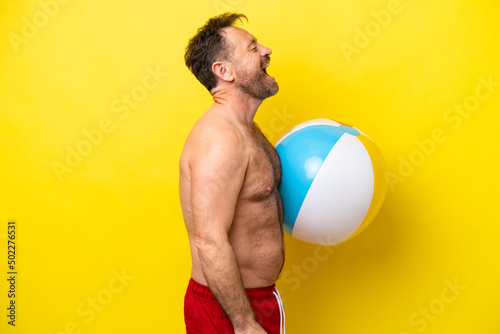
column 265, row 51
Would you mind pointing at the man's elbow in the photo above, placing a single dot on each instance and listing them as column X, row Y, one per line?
column 206, row 245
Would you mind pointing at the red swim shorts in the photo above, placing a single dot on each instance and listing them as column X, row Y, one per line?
column 203, row 314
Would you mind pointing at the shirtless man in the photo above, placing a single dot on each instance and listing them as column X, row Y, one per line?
column 229, row 175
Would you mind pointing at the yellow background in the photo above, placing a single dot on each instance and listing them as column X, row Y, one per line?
column 118, row 210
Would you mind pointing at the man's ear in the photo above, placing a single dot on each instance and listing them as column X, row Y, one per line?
column 223, row 71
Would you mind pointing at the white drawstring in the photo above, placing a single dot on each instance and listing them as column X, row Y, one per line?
column 282, row 310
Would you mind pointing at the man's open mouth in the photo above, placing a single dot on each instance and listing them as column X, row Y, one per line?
column 265, row 68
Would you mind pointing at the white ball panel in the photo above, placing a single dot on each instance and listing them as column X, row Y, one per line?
column 340, row 195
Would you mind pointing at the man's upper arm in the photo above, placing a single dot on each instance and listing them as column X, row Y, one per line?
column 217, row 174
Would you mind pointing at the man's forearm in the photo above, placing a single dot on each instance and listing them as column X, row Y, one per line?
column 222, row 273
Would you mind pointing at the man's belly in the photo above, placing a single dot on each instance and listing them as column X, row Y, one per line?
column 257, row 239
column 261, row 267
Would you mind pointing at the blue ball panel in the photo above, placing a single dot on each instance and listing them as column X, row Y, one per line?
column 299, row 151
column 350, row 130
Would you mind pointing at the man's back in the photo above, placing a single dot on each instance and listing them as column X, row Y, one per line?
column 246, row 166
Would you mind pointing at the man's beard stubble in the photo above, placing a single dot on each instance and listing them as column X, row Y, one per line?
column 256, row 84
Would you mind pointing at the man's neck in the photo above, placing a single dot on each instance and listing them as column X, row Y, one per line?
column 239, row 104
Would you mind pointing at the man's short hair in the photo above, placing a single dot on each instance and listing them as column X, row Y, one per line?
column 209, row 46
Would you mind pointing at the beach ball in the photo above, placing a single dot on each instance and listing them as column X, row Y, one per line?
column 332, row 183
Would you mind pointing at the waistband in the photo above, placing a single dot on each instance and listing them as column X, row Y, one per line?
column 253, row 294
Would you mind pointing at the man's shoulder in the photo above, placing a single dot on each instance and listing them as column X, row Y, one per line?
column 215, row 131
column 216, row 137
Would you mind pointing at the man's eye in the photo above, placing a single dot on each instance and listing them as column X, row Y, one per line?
column 254, row 49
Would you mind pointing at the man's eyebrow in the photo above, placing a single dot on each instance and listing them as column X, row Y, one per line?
column 253, row 41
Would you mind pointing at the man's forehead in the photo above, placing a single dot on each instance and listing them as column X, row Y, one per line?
column 239, row 36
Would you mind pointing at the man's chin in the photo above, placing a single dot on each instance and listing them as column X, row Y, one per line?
column 274, row 92
column 275, row 89
column 272, row 85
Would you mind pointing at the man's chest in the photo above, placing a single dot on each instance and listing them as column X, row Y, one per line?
column 264, row 169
